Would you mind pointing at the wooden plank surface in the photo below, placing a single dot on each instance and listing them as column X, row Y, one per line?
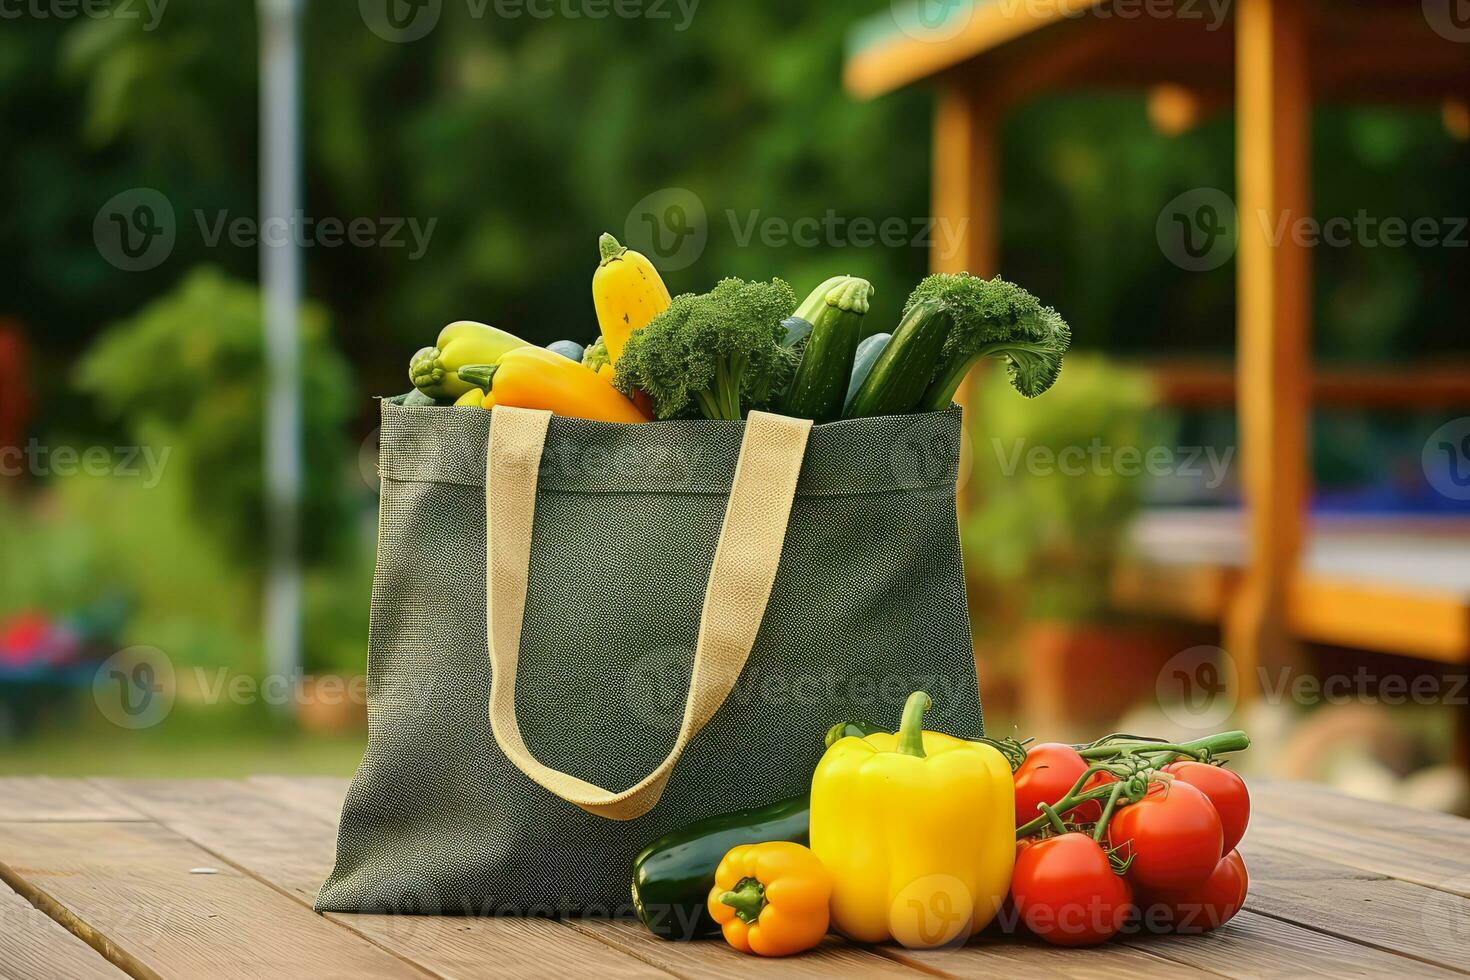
column 34, row 946
column 1339, row 888
column 44, row 798
column 131, row 889
column 292, row 848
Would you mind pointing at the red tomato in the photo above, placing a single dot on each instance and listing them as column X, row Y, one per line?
column 1050, row 770
column 1174, row 834
column 1225, row 789
column 1065, row 891
column 1201, row 908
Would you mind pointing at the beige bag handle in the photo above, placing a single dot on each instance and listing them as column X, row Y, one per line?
column 740, row 582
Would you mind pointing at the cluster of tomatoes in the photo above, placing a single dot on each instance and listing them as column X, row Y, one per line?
column 1151, row 849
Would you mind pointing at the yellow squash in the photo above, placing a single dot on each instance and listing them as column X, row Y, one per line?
column 534, row 377
column 917, row 830
column 435, row 370
column 627, row 292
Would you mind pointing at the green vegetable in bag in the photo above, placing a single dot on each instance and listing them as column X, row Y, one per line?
column 835, row 310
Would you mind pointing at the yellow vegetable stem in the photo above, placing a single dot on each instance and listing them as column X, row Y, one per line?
column 917, row 829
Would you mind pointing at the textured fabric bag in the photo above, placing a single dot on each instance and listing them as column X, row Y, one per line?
column 676, row 614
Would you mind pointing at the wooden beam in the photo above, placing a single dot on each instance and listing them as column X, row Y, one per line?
column 966, row 178
column 1274, row 303
column 912, row 50
column 1208, row 383
column 965, row 202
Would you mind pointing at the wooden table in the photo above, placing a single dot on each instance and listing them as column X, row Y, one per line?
column 216, row 878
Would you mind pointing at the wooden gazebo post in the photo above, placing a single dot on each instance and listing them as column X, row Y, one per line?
column 965, row 198
column 1273, row 114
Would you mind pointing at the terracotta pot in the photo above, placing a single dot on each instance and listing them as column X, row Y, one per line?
column 1078, row 679
column 331, row 704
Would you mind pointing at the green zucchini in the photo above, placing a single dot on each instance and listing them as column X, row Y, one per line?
column 418, row 398
column 672, row 877
column 835, row 310
column 867, row 356
column 902, row 372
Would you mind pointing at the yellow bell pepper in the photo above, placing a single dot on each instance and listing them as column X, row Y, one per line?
column 534, row 377
column 918, row 831
column 771, row 899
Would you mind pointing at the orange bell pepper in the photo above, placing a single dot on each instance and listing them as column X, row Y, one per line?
column 771, row 899
column 534, row 377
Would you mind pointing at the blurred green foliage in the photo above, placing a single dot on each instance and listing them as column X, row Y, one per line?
column 1053, row 490
column 188, row 371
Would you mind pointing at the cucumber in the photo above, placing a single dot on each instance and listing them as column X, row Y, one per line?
column 835, row 310
column 902, row 372
column 867, row 355
column 569, row 349
column 672, row 877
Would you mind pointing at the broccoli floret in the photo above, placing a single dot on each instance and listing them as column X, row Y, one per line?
column 992, row 318
column 713, row 354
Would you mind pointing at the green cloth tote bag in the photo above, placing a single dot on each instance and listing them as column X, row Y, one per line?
column 584, row 635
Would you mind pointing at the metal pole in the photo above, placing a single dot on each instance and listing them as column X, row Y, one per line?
column 280, row 276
